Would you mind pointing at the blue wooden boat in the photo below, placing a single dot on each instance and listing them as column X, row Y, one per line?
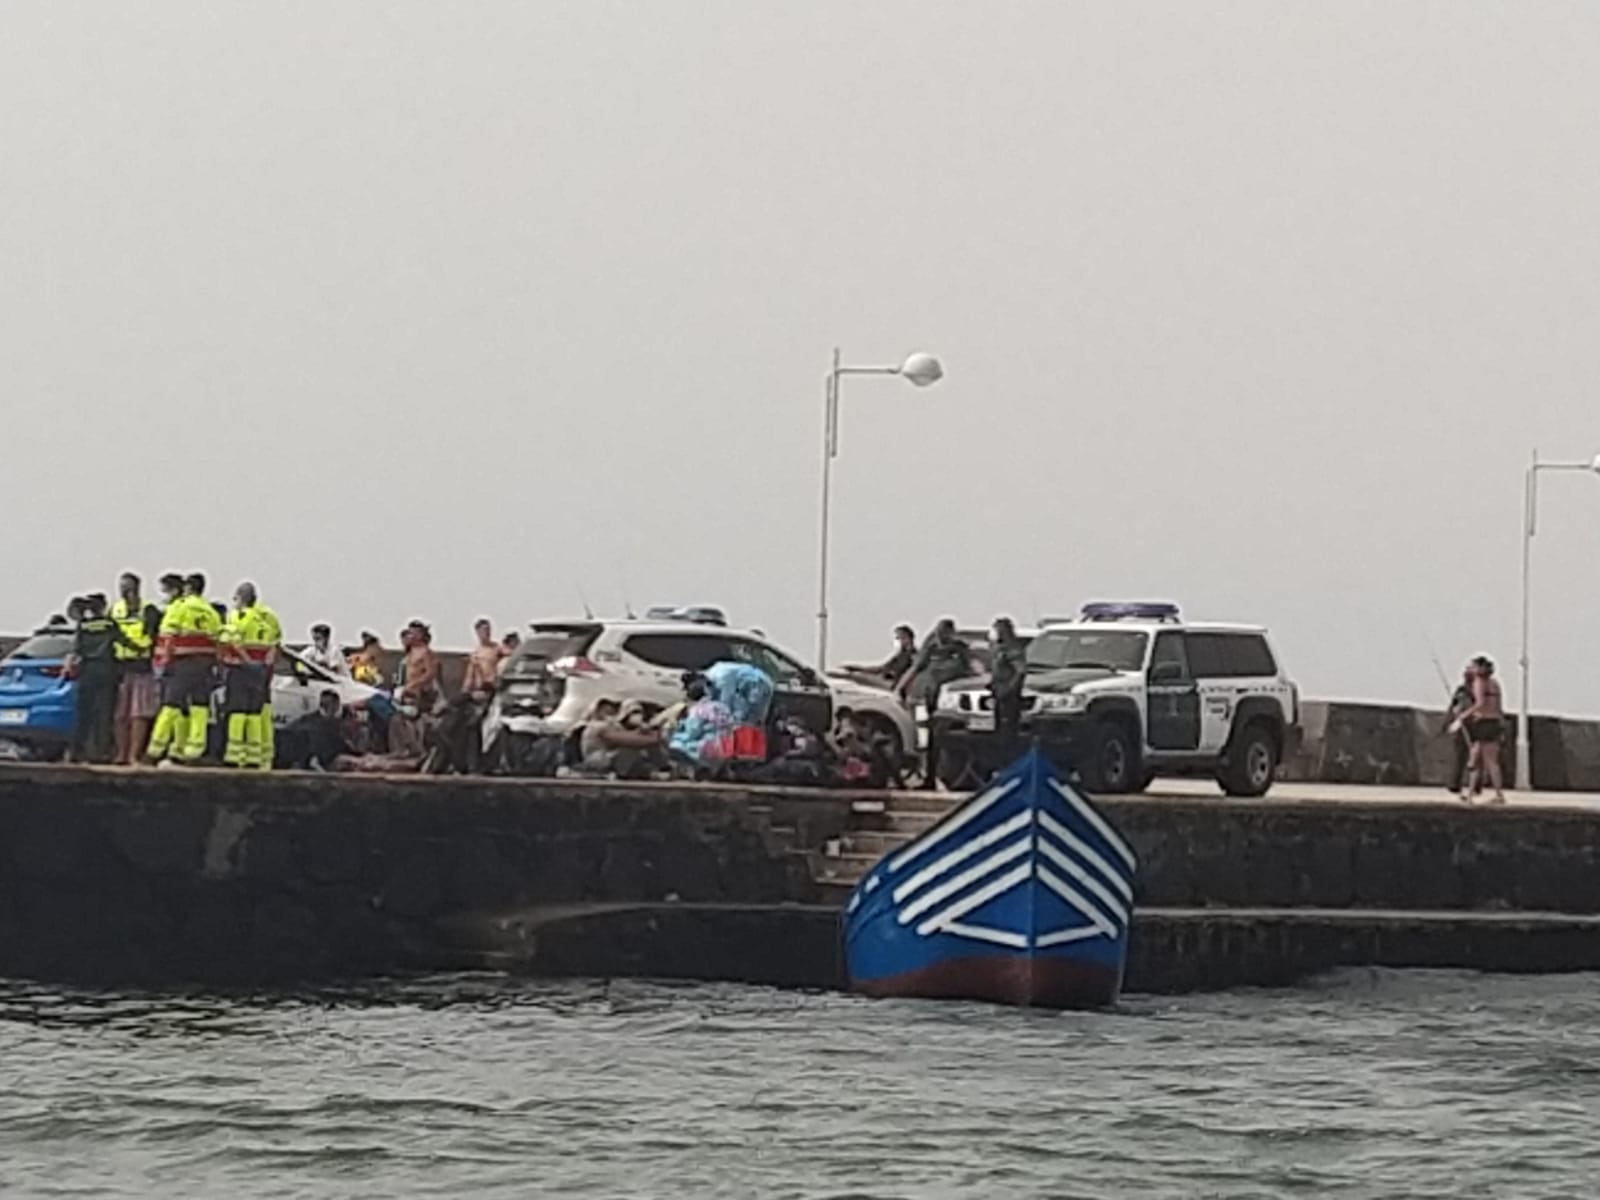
column 1023, row 895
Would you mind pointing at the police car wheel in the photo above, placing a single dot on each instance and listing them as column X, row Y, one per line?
column 1252, row 762
column 1113, row 761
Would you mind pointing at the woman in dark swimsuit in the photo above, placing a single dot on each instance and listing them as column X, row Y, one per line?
column 1484, row 723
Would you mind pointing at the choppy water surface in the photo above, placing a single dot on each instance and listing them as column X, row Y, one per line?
column 1369, row 1084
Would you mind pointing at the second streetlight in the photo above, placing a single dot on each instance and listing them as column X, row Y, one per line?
column 1530, row 517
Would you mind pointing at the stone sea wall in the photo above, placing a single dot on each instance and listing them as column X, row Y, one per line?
column 1348, row 742
column 169, row 875
column 174, row 876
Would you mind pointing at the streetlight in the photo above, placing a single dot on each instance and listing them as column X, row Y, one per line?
column 1530, row 512
column 922, row 370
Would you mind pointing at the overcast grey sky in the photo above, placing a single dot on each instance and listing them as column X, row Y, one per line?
column 436, row 309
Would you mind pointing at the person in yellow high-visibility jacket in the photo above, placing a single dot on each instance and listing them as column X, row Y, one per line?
column 249, row 647
column 185, row 653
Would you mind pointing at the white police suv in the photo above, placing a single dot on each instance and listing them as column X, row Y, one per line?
column 1128, row 691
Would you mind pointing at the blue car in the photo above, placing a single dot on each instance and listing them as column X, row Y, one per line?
column 37, row 700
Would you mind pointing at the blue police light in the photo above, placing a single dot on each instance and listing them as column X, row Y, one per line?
column 1130, row 610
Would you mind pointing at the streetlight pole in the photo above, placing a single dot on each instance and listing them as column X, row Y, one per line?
column 921, row 370
column 1530, row 517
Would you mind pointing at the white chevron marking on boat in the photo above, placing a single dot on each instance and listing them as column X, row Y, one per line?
column 1101, row 892
column 966, row 879
column 935, row 869
column 1062, row 936
column 977, row 899
column 1112, row 876
column 1097, row 823
column 1078, row 901
column 974, row 809
column 981, row 933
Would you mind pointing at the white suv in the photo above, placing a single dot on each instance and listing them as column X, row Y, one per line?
column 1129, row 691
column 562, row 667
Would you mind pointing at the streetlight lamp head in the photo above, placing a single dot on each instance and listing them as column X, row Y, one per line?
column 922, row 369
column 1595, row 464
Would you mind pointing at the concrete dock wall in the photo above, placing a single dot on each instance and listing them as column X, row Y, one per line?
column 1390, row 744
column 1171, row 950
column 174, row 876
column 165, row 876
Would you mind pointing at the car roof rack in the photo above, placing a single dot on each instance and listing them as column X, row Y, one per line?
column 1131, row 610
column 693, row 614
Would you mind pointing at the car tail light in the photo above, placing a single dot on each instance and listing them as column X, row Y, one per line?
column 574, row 666
column 52, row 672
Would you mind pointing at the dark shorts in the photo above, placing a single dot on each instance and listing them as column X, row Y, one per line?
column 244, row 690
column 1485, row 729
column 187, row 684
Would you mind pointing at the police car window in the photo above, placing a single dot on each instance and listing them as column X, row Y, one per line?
column 1207, row 655
column 1169, row 649
column 1247, row 654
column 678, row 651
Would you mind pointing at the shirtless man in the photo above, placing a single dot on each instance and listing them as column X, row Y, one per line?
column 483, row 664
column 1484, row 722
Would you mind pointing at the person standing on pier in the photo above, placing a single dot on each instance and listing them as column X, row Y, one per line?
column 1460, row 741
column 483, row 663
column 249, row 646
column 1485, row 724
column 890, row 672
column 944, row 658
column 186, row 652
column 138, row 696
column 1007, row 672
column 94, row 665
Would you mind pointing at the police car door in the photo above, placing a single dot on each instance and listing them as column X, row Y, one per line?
column 1172, row 699
column 1208, row 659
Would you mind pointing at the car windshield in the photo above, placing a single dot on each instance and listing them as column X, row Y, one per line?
column 1112, row 649
column 287, row 662
column 44, row 645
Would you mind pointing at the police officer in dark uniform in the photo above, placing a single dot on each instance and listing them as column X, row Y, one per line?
column 94, row 665
column 1007, row 672
column 944, row 658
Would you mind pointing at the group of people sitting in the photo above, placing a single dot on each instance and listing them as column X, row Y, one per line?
column 724, row 727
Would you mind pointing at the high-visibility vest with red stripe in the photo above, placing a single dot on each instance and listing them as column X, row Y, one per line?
column 189, row 629
column 251, row 635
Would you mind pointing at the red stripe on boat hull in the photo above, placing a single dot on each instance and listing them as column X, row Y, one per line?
column 1004, row 979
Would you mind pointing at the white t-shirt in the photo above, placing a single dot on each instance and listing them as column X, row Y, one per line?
column 329, row 660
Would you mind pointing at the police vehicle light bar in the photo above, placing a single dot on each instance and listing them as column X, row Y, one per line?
column 1130, row 610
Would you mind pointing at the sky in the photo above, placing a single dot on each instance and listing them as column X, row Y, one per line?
column 415, row 309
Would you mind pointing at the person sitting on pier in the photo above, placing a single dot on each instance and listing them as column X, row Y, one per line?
column 617, row 741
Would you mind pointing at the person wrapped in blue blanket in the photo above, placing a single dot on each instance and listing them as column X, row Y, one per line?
column 735, row 694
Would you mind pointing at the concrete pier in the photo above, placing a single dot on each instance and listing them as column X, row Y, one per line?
column 167, row 877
